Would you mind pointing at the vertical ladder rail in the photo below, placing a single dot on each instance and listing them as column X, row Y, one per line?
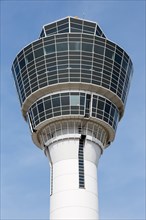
column 81, row 161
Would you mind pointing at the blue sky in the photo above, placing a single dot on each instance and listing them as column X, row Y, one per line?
column 24, row 168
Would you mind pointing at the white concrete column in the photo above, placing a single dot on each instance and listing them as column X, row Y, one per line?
column 67, row 200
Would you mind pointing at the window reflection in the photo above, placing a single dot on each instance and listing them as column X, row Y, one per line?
column 62, row 47
column 118, row 58
column 49, row 49
column 39, row 52
column 74, row 46
column 29, row 58
column 74, row 100
column 109, row 54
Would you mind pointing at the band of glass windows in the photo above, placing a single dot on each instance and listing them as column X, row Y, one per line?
column 73, row 103
column 72, row 58
column 63, row 127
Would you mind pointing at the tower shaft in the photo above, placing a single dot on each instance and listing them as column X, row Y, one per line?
column 74, row 193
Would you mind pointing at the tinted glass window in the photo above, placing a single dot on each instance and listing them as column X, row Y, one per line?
column 88, row 29
column 29, row 58
column 87, row 47
column 109, row 54
column 94, row 103
column 38, row 52
column 100, row 105
column 40, row 108
column 118, row 58
column 56, row 102
column 98, row 31
column 62, row 26
column 77, row 26
column 47, row 104
column 74, row 46
column 88, row 98
column 82, row 100
column 65, row 100
column 22, row 63
column 62, row 47
column 17, row 70
column 112, row 112
column 124, row 64
column 50, row 49
column 98, row 50
column 51, row 31
column 35, row 111
column 107, row 108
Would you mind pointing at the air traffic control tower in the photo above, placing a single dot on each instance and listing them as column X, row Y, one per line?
column 72, row 84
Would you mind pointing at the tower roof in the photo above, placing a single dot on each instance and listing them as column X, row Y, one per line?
column 72, row 25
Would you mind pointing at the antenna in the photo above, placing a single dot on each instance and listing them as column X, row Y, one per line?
column 84, row 13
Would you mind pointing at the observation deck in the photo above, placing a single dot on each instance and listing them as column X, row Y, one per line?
column 72, row 77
